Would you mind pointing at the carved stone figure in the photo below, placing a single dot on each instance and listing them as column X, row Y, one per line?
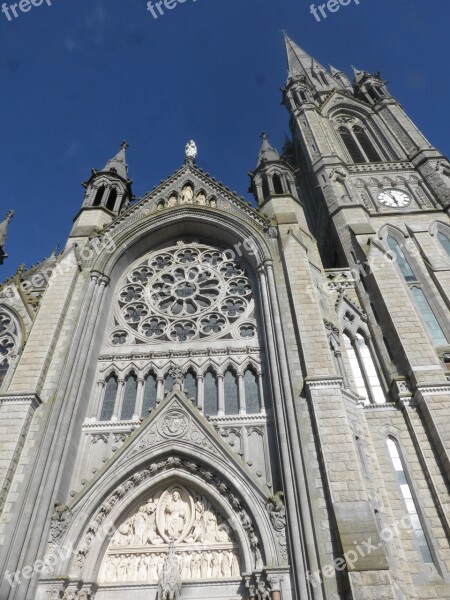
column 277, row 511
column 200, row 199
column 191, row 150
column 170, row 581
column 176, row 515
column 187, row 195
column 262, row 592
column 205, row 544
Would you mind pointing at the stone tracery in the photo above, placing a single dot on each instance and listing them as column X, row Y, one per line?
column 183, row 293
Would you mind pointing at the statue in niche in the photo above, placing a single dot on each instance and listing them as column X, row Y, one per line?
column 176, row 513
column 172, row 201
column 142, row 569
column 187, row 195
column 201, row 199
column 131, row 568
column 195, row 566
column 204, row 567
column 122, row 569
column 111, row 568
column 215, row 565
column 185, row 565
column 227, row 561
column 170, row 581
column 153, row 567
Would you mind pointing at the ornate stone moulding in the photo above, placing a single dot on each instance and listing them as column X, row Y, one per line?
column 31, row 400
column 382, row 168
column 188, row 353
column 63, row 518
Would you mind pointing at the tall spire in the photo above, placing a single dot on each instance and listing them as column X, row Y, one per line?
column 118, row 164
column 302, row 64
column 3, row 231
column 299, row 61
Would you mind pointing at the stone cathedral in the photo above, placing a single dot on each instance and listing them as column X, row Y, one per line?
column 205, row 399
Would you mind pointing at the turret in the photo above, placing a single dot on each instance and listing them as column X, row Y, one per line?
column 273, row 176
column 108, row 193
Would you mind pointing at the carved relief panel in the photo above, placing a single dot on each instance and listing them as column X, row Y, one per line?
column 204, row 542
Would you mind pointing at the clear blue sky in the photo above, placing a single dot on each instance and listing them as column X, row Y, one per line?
column 82, row 75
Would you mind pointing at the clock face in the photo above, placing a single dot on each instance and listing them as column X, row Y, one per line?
column 394, row 198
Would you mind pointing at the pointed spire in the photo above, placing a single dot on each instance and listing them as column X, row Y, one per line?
column 359, row 75
column 118, row 164
column 3, row 231
column 299, row 61
column 267, row 153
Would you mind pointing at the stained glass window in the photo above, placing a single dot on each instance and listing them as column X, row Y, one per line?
column 109, row 399
column 252, row 399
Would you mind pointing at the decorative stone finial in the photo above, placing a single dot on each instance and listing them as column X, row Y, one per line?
column 191, row 150
column 3, row 230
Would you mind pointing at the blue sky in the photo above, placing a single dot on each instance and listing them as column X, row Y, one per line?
column 80, row 76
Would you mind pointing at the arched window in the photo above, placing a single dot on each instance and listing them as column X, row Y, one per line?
column 231, row 393
column 277, row 185
column 109, row 399
column 359, row 145
column 265, row 188
column 129, row 398
column 351, row 145
column 99, row 196
column 444, row 241
column 367, row 146
column 363, row 368
column 252, row 399
column 411, row 505
column 211, row 405
column 4, row 366
column 150, row 387
column 168, row 384
column 425, row 309
column 400, row 258
column 428, row 316
column 112, row 199
column 190, row 385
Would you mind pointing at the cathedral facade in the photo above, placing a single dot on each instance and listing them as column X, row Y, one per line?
column 200, row 398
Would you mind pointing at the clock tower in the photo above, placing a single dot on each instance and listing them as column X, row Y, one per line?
column 377, row 198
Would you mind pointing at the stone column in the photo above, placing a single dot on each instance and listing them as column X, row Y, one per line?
column 97, row 408
column 286, row 456
column 220, row 396
column 139, row 399
column 160, row 390
column 262, row 403
column 200, row 392
column 119, row 400
column 241, row 389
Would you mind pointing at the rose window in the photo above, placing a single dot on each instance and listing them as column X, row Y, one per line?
column 187, row 292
